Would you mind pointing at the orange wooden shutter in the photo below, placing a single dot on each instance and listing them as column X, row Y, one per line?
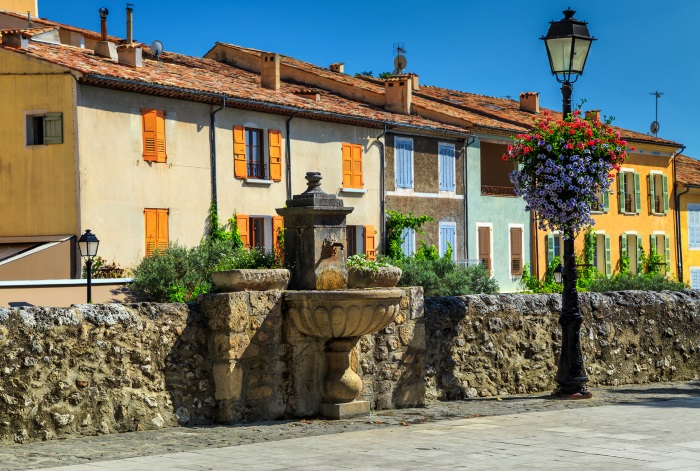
column 162, row 237
column 160, row 136
column 347, row 166
column 240, row 169
column 485, row 247
column 243, row 222
column 151, row 218
column 277, row 229
column 150, row 135
column 516, row 251
column 275, row 143
column 370, row 248
column 357, row 166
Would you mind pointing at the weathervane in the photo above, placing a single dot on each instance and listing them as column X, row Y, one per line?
column 654, row 128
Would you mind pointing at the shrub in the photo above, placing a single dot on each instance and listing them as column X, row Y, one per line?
column 361, row 261
column 443, row 277
column 246, row 259
column 645, row 282
column 395, row 224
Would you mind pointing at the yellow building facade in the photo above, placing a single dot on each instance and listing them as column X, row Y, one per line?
column 635, row 218
column 687, row 196
column 21, row 6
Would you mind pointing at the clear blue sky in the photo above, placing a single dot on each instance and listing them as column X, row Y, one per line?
column 487, row 47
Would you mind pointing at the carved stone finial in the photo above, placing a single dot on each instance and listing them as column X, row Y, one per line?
column 313, row 181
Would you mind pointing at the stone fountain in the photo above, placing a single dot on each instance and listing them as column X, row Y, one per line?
column 321, row 305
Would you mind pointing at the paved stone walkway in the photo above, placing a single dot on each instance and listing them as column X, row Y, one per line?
column 631, row 427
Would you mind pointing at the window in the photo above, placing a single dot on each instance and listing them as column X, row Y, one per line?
column 403, row 149
column 516, row 251
column 629, row 192
column 408, row 246
column 555, row 248
column 370, row 242
column 351, row 240
column 601, row 254
column 250, row 161
column 153, row 130
column 352, row 166
column 495, row 173
column 661, row 244
column 44, row 129
column 658, row 193
column 483, row 242
column 695, row 278
column 602, row 202
column 631, row 246
column 448, row 232
column 257, row 232
column 446, row 166
column 694, row 226
column 156, row 230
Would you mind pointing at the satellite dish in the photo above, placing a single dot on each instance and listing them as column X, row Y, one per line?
column 397, row 72
column 157, row 48
column 654, row 128
column 400, row 62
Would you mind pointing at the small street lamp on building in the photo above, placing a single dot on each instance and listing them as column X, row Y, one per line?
column 87, row 244
column 558, row 274
column 568, row 42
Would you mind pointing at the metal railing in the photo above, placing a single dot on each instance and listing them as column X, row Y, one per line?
column 489, row 190
column 257, row 170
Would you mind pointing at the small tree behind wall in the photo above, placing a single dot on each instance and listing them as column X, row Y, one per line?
column 563, row 167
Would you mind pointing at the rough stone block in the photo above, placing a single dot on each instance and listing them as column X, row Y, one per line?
column 226, row 312
column 347, row 410
column 228, row 380
column 230, row 346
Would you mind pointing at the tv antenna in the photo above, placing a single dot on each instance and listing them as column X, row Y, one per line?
column 400, row 59
column 654, row 128
column 157, row 49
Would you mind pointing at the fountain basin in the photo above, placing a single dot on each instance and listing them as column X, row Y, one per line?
column 342, row 313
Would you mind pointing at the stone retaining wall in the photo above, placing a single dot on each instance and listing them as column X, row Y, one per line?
column 234, row 357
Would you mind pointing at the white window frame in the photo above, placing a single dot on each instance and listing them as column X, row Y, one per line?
column 454, row 246
column 510, row 249
column 693, row 245
column 476, row 238
column 396, row 163
column 597, row 251
column 452, row 186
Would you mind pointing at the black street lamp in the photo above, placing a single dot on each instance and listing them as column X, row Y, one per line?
column 87, row 244
column 568, row 42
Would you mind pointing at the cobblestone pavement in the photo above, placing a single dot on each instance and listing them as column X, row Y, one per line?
column 187, row 447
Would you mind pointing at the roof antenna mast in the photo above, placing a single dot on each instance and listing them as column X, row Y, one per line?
column 654, row 128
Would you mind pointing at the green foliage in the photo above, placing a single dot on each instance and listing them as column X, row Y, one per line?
column 531, row 284
column 645, row 282
column 384, row 75
column 426, row 252
column 653, row 263
column 441, row 276
column 101, row 269
column 395, row 224
column 362, row 262
column 225, row 232
column 586, row 272
column 366, row 73
column 180, row 274
column 625, row 264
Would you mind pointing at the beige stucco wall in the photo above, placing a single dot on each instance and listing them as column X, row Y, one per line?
column 37, row 183
column 116, row 183
column 21, row 6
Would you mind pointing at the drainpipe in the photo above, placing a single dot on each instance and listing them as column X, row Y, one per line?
column 467, row 142
column 212, row 154
column 288, row 150
column 679, row 247
column 382, row 192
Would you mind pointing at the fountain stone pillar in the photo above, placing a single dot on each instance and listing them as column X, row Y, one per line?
column 314, row 238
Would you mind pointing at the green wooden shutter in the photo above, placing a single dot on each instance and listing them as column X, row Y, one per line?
column 664, row 180
column 550, row 248
column 621, row 188
column 53, row 128
column 652, row 244
column 608, row 263
column 623, row 245
column 667, row 251
column 637, row 194
column 640, row 252
column 606, row 201
column 652, row 193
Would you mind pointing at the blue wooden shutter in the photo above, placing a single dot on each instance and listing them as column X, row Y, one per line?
column 447, row 236
column 53, row 128
column 447, row 167
column 404, row 163
column 408, row 247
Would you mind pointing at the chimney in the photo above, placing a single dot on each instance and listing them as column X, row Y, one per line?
column 593, row 115
column 414, row 78
column 270, row 70
column 105, row 48
column 530, row 102
column 15, row 38
column 129, row 23
column 398, row 94
column 338, row 67
column 130, row 54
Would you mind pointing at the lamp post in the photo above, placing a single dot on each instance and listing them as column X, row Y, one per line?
column 568, row 42
column 87, row 244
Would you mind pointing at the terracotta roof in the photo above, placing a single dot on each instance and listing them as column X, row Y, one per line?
column 482, row 111
column 687, row 170
column 28, row 32
column 206, row 80
column 43, row 21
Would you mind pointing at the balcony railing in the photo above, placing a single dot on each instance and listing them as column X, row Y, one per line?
column 257, row 170
column 657, row 204
column 487, row 190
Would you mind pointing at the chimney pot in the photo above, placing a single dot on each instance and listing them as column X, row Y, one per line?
column 338, row 67
column 593, row 115
column 16, row 38
column 270, row 70
column 530, row 102
column 129, row 23
column 398, row 94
